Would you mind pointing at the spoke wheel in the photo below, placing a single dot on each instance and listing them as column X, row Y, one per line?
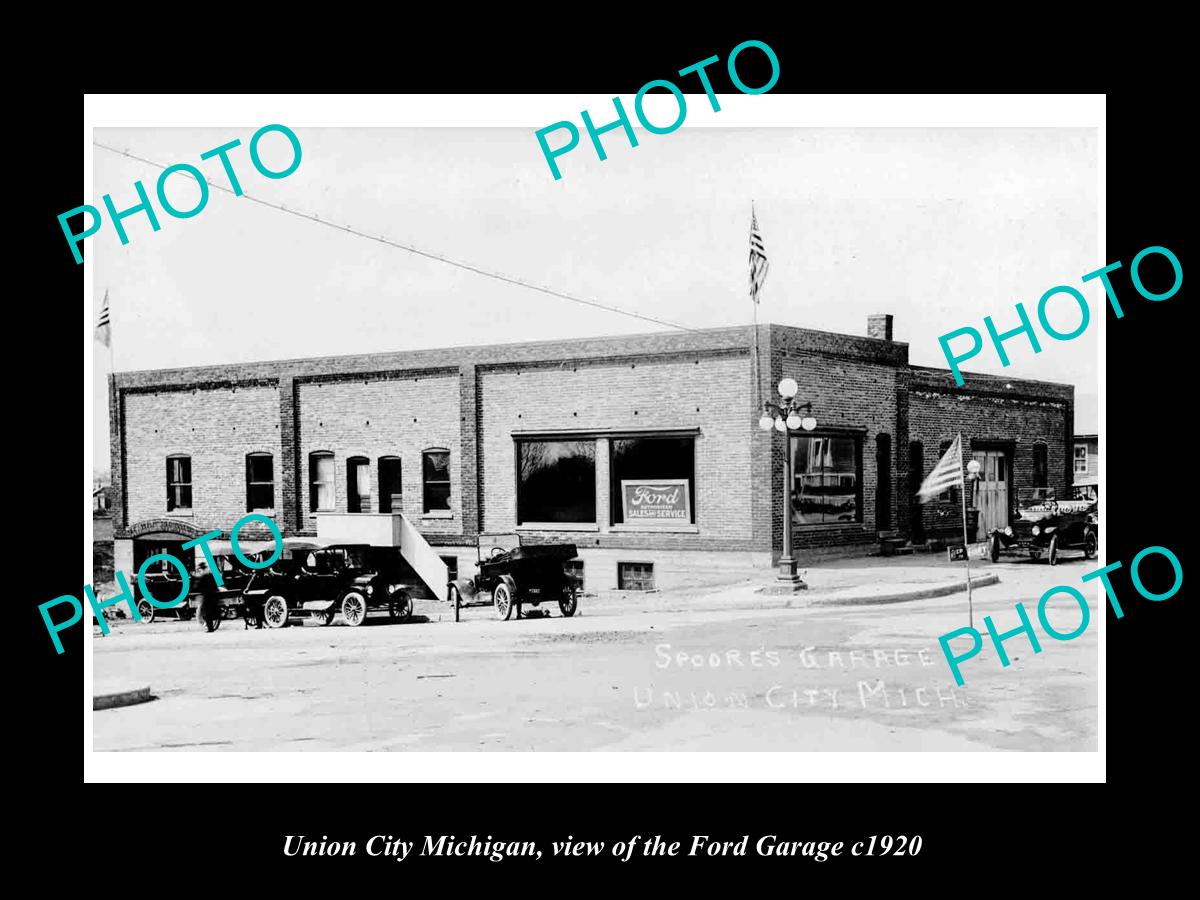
column 354, row 609
column 1089, row 545
column 503, row 601
column 569, row 602
column 146, row 610
column 275, row 612
column 1054, row 550
column 400, row 606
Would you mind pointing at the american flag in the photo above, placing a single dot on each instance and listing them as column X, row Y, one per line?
column 104, row 326
column 946, row 474
column 758, row 259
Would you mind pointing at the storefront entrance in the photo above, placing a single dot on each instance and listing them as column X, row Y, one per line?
column 991, row 491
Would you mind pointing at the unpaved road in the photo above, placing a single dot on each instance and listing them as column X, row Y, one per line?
column 616, row 681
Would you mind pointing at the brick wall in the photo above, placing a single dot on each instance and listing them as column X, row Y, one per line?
column 992, row 413
column 709, row 392
column 400, row 415
column 216, row 427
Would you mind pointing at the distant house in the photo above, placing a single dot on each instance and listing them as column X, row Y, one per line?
column 100, row 499
column 1086, row 465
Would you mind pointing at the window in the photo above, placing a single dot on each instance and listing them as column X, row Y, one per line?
column 435, row 467
column 916, row 472
column 556, row 481
column 1081, row 459
column 883, row 481
column 634, row 576
column 1039, row 465
column 451, row 567
column 391, row 492
column 654, row 478
column 260, row 482
column 828, row 474
column 320, row 476
column 358, row 484
column 574, row 570
column 179, row 483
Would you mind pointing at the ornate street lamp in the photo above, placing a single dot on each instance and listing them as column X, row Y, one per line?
column 786, row 417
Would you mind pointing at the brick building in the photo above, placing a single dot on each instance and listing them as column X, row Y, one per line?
column 560, row 441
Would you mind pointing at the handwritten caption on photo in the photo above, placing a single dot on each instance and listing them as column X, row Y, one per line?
column 98, row 606
column 1026, row 627
column 202, row 183
column 1026, row 327
column 869, row 694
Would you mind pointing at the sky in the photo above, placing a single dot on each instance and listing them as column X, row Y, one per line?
column 938, row 227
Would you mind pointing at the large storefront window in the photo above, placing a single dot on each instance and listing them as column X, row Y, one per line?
column 556, row 481
column 828, row 475
column 653, row 481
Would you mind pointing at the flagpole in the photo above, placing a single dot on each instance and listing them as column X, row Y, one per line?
column 754, row 369
column 966, row 544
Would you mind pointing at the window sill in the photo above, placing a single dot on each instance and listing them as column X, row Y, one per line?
column 180, row 514
column 269, row 513
column 558, row 526
column 655, row 529
column 442, row 516
column 828, row 526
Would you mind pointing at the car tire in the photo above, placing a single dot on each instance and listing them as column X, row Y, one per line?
column 147, row 611
column 400, row 606
column 502, row 600
column 354, row 609
column 568, row 603
column 456, row 600
column 995, row 548
column 1053, row 552
column 275, row 612
column 328, row 616
column 1089, row 545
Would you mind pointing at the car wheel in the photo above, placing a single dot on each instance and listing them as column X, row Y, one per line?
column 146, row 610
column 996, row 548
column 354, row 608
column 275, row 612
column 503, row 601
column 1054, row 550
column 400, row 606
column 1089, row 545
column 568, row 602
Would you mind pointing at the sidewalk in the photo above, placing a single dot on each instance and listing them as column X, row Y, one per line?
column 849, row 582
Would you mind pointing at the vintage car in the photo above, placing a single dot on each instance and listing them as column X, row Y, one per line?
column 1046, row 525
column 206, row 601
column 318, row 581
column 512, row 574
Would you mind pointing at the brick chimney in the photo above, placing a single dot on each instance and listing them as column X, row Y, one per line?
column 880, row 327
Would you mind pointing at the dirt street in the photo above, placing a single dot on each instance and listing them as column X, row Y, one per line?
column 833, row 678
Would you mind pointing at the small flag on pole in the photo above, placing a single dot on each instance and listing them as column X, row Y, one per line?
column 946, row 474
column 758, row 258
column 104, row 326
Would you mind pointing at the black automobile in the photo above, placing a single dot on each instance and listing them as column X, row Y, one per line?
column 206, row 600
column 511, row 575
column 318, row 582
column 1048, row 526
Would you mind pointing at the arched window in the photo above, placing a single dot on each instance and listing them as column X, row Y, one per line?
column 435, row 475
column 1040, row 466
column 358, row 484
column 320, row 477
column 179, row 483
column 391, row 485
column 883, row 482
column 916, row 473
column 260, row 482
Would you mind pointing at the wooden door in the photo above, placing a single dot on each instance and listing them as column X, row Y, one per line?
column 991, row 491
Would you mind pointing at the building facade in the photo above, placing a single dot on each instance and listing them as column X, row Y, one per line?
column 644, row 451
column 1086, row 465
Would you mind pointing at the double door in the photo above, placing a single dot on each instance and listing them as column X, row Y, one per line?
column 991, row 490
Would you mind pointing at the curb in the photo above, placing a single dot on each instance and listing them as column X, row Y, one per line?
column 799, row 600
column 121, row 698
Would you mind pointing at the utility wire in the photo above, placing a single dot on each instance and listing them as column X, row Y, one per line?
column 346, row 229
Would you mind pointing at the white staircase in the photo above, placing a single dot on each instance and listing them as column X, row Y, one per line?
column 387, row 530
